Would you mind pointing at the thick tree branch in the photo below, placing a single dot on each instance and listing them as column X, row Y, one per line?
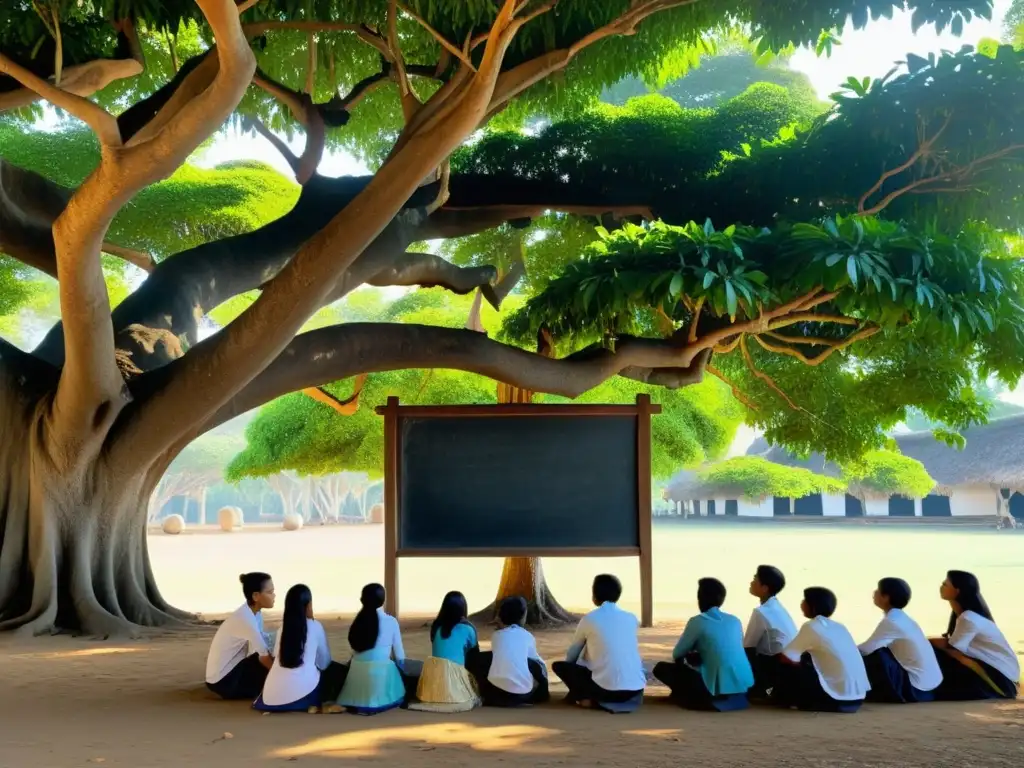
column 102, row 122
column 309, row 115
column 427, row 270
column 91, row 391
column 86, row 79
column 80, row 80
column 254, row 340
column 141, row 260
column 338, row 352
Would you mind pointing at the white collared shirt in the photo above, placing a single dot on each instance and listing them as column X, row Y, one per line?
column 512, row 648
column 606, row 643
column 240, row 635
column 902, row 635
column 981, row 639
column 770, row 628
column 286, row 686
column 389, row 639
column 836, row 658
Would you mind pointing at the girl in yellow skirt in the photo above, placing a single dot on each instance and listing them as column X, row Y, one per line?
column 445, row 684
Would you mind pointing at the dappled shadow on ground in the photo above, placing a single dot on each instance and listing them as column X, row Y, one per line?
column 72, row 702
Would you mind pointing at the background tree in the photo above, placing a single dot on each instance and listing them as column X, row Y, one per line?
column 887, row 473
column 193, row 471
column 107, row 403
column 755, row 479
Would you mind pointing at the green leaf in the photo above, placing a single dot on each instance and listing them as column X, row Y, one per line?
column 676, row 286
column 730, row 299
column 834, row 259
column 851, row 269
column 709, row 278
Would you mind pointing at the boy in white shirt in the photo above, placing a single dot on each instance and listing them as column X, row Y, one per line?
column 512, row 673
column 823, row 669
column 239, row 657
column 901, row 663
column 769, row 630
column 603, row 668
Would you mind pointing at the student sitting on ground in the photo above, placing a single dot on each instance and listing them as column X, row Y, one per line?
column 603, row 668
column 901, row 664
column 512, row 673
column 445, row 685
column 239, row 657
column 303, row 675
column 976, row 660
column 769, row 630
column 824, row 671
column 709, row 670
column 374, row 683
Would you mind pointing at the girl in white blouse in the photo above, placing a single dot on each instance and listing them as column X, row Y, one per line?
column 976, row 660
column 303, row 675
column 375, row 682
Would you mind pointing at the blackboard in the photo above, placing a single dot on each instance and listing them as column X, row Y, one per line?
column 518, row 482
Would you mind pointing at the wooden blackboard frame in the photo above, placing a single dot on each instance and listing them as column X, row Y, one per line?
column 393, row 413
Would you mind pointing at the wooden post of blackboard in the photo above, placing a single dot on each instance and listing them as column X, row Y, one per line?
column 391, row 453
column 643, row 468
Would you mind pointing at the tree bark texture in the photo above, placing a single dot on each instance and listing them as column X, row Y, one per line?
column 73, row 552
column 524, row 577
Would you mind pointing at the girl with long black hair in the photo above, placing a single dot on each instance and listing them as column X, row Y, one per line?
column 374, row 682
column 976, row 660
column 445, row 684
column 303, row 675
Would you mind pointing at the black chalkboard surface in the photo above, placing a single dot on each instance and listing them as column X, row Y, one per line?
column 543, row 483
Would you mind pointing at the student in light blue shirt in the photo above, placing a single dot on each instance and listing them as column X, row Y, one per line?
column 710, row 668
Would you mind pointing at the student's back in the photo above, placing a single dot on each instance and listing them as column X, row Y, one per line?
column 285, row 685
column 512, row 648
column 611, row 648
column 454, row 647
column 835, row 656
column 718, row 638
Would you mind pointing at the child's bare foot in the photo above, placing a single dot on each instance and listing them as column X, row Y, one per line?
column 313, row 710
column 333, row 709
column 585, row 703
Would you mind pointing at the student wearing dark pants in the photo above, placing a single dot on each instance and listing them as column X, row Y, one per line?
column 239, row 657
column 603, row 668
column 900, row 662
column 512, row 673
column 976, row 660
column 823, row 669
column 769, row 630
column 709, row 670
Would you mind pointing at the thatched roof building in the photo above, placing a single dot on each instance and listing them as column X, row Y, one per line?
column 993, row 456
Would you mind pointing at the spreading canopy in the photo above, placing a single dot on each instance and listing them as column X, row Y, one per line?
column 887, row 473
column 754, row 478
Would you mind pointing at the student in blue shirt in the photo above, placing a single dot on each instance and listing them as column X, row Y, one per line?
column 710, row 669
column 445, row 684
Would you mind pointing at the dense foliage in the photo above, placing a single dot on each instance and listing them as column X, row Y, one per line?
column 886, row 473
column 754, row 478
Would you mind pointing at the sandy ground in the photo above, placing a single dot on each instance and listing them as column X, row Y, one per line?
column 74, row 702
column 68, row 702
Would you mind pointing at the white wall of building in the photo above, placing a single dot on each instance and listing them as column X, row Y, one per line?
column 973, row 500
column 833, row 506
column 762, row 508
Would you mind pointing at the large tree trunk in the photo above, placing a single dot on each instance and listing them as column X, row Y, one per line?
column 524, row 577
column 73, row 552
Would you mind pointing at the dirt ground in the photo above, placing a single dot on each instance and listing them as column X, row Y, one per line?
column 73, row 702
